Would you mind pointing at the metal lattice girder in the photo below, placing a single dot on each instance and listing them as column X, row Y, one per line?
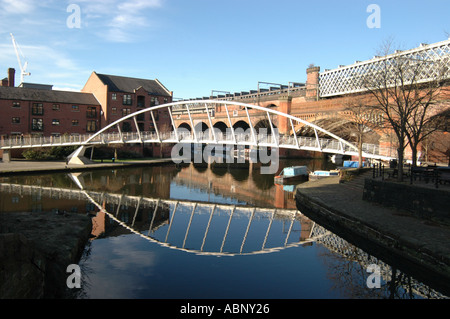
column 425, row 63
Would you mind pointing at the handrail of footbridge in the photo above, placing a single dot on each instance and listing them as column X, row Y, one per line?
column 333, row 144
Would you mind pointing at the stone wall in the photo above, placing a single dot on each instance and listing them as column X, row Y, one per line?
column 35, row 250
column 422, row 202
column 22, row 268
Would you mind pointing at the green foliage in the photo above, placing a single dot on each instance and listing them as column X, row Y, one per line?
column 48, row 154
column 128, row 154
column 108, row 153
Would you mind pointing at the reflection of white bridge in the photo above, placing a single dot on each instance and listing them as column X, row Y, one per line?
column 193, row 224
column 214, row 216
column 251, row 137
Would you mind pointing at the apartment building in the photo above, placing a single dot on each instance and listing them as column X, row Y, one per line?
column 38, row 110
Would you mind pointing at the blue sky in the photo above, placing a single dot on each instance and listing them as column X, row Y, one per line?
column 196, row 46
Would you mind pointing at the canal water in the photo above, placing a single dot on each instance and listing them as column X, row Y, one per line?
column 189, row 232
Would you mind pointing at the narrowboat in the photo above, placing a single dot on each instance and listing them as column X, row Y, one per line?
column 322, row 174
column 291, row 175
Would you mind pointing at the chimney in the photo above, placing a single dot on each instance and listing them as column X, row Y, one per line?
column 4, row 82
column 11, row 76
column 312, row 83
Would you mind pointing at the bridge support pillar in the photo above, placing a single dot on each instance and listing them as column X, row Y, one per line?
column 77, row 157
column 6, row 156
column 284, row 125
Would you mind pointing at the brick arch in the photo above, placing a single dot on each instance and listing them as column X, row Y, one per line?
column 337, row 126
column 185, row 125
column 269, row 104
column 201, row 127
column 242, row 124
column 313, row 118
column 255, row 118
column 222, row 126
column 264, row 123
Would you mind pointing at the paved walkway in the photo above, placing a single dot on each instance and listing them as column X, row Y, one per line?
column 343, row 202
column 23, row 166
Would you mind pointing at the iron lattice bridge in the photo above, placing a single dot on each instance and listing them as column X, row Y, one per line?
column 426, row 63
column 323, row 140
column 219, row 230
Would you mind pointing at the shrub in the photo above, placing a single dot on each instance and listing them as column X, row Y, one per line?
column 48, row 154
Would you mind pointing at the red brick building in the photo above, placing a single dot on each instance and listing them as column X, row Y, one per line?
column 38, row 110
column 45, row 112
column 120, row 96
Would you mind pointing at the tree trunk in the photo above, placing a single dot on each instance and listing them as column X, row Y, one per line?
column 360, row 152
column 400, row 152
column 414, row 156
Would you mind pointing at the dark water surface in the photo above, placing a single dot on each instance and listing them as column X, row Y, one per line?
column 199, row 232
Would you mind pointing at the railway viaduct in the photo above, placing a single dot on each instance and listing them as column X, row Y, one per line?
column 325, row 99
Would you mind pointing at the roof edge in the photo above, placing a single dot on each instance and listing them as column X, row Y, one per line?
column 165, row 89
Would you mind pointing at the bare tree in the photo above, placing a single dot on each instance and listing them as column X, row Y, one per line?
column 406, row 100
column 425, row 120
column 360, row 123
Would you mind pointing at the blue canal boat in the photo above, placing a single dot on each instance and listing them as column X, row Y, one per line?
column 322, row 174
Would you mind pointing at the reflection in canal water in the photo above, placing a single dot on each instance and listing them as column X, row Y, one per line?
column 160, row 232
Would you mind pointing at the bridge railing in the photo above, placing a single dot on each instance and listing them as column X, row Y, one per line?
column 35, row 141
column 247, row 138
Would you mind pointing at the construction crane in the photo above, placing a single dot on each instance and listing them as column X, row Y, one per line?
column 23, row 68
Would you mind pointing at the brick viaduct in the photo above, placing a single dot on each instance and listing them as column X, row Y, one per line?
column 302, row 101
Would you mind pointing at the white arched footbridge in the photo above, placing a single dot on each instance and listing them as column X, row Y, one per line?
column 113, row 134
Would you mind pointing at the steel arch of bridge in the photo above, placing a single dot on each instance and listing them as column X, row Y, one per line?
column 206, row 102
column 335, row 145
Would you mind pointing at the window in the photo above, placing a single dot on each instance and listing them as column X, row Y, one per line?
column 154, row 101
column 16, row 120
column 91, row 112
column 75, row 108
column 37, row 125
column 91, row 126
column 127, row 99
column 126, row 111
column 141, row 117
column 55, row 107
column 156, row 115
column 75, row 122
column 114, row 110
column 16, row 104
column 55, row 122
column 114, row 96
column 126, row 127
column 141, row 101
column 37, row 109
